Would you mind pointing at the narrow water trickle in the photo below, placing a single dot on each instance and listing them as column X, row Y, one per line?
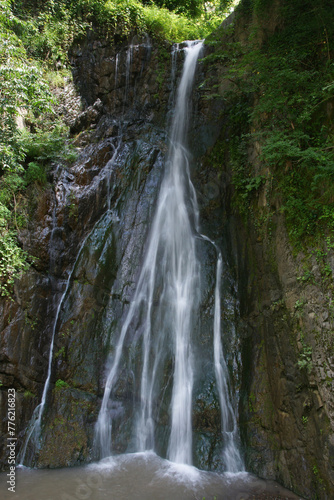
column 167, row 299
column 35, row 427
column 110, row 165
column 116, row 69
column 128, row 64
column 34, row 430
column 231, row 455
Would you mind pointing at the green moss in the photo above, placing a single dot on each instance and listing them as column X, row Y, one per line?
column 283, row 92
column 28, row 394
column 61, row 384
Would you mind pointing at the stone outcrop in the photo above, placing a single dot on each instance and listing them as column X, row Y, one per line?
column 87, row 232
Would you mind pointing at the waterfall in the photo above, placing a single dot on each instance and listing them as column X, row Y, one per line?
column 184, row 268
column 165, row 306
column 166, row 299
column 171, row 249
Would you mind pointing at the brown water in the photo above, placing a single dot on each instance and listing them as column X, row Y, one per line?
column 138, row 476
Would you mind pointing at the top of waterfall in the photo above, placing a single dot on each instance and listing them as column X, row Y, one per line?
column 187, row 44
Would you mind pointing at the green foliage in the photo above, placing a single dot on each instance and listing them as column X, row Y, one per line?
column 47, row 145
column 61, row 384
column 29, row 394
column 124, row 16
column 23, row 90
column 304, row 420
column 194, row 8
column 50, row 28
column 305, row 357
column 307, row 277
column 60, row 353
column 35, row 173
column 13, row 260
column 283, row 83
column 24, row 156
column 246, row 186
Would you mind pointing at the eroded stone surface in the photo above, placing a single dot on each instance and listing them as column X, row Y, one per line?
column 96, row 217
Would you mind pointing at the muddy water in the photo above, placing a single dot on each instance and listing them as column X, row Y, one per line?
column 138, row 476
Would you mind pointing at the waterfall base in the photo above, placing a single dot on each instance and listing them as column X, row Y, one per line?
column 140, row 476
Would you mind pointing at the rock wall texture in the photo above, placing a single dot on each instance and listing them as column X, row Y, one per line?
column 284, row 323
column 88, row 233
column 72, row 230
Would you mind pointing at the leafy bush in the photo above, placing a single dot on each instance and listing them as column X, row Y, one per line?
column 50, row 28
column 24, row 92
column 283, row 86
column 13, row 260
column 35, row 173
column 48, row 32
column 47, row 145
column 61, row 384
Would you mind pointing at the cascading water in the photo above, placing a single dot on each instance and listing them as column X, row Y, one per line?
column 129, row 54
column 166, row 299
column 35, row 427
column 232, row 459
column 34, row 430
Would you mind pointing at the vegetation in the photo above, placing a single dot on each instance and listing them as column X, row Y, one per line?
column 281, row 105
column 305, row 358
column 23, row 91
column 49, row 28
column 61, row 384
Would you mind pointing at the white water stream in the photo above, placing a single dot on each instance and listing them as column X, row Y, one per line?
column 167, row 297
column 232, row 459
column 35, row 426
column 34, row 429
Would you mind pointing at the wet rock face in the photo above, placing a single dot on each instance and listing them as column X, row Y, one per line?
column 88, row 234
column 133, row 79
column 283, row 322
column 90, row 227
column 284, row 421
column 101, row 213
column 283, row 326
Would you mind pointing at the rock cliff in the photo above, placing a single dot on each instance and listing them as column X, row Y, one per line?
column 87, row 232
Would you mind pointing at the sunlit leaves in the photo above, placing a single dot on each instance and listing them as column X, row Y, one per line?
column 12, row 257
column 22, row 90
